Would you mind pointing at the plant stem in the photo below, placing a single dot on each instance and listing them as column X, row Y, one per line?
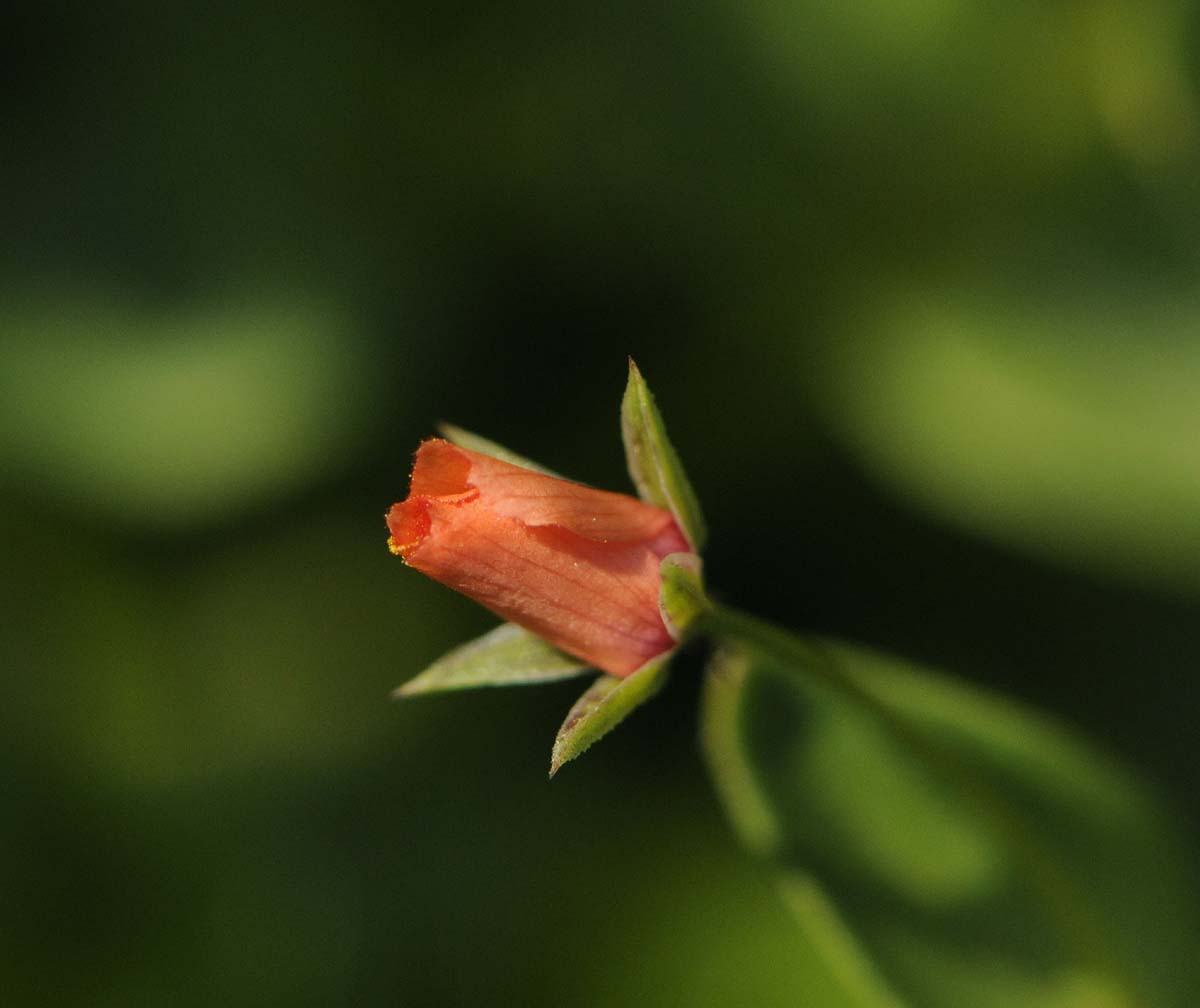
column 1063, row 900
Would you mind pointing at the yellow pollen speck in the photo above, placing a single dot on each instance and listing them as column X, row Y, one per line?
column 393, row 546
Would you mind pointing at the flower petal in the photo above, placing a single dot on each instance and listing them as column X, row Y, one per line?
column 597, row 601
column 445, row 470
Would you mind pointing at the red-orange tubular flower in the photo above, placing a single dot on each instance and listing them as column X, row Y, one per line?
column 576, row 566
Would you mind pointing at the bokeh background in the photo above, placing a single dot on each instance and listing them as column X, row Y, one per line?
column 916, row 284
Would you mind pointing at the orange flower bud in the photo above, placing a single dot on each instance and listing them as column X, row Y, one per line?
column 576, row 566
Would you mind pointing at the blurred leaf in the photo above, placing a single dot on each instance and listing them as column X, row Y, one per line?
column 478, row 443
column 930, row 69
column 506, row 656
column 1140, row 55
column 271, row 650
column 681, row 598
column 653, row 464
column 978, row 854
column 605, row 705
column 171, row 417
column 1042, row 425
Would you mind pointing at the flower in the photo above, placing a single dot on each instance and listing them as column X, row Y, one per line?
column 578, row 567
column 583, row 577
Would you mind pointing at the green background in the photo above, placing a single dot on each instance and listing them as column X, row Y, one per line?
column 916, row 285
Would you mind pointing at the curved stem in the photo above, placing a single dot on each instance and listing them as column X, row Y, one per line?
column 1062, row 897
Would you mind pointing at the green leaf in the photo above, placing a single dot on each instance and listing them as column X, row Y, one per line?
column 977, row 852
column 478, row 443
column 681, row 598
column 605, row 705
column 506, row 656
column 653, row 464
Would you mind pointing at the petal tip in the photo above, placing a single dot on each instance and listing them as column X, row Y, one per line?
column 441, row 470
column 408, row 522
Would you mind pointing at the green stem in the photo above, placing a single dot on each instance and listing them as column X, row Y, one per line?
column 1062, row 898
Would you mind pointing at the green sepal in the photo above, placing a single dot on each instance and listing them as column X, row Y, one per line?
column 653, row 463
column 505, row 656
column 681, row 598
column 607, row 702
column 478, row 443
